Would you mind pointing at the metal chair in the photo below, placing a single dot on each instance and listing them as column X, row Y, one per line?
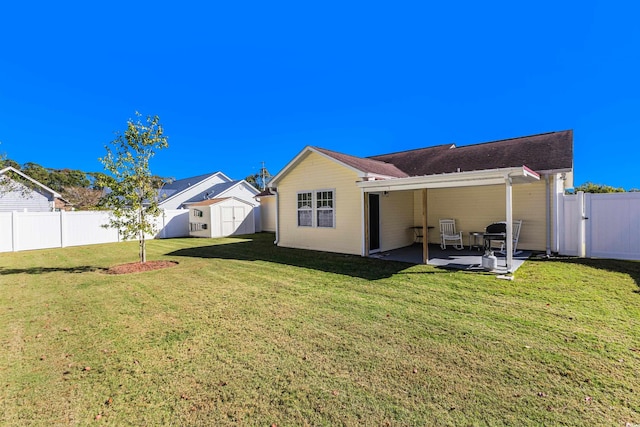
column 448, row 233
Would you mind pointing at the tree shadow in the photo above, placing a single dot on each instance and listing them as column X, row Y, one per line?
column 44, row 270
column 261, row 248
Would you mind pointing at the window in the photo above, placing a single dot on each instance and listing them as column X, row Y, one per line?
column 316, row 209
column 324, row 206
column 197, row 213
column 197, row 226
column 305, row 210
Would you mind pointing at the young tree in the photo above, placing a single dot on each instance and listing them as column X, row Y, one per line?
column 133, row 194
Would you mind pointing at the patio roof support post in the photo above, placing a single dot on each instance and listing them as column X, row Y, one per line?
column 509, row 237
column 365, row 223
column 425, row 229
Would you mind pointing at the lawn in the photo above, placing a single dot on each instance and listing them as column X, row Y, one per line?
column 243, row 333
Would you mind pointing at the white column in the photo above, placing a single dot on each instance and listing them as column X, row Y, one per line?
column 509, row 238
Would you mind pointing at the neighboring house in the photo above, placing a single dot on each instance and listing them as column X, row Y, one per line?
column 222, row 217
column 182, row 193
column 335, row 202
column 24, row 194
column 267, row 199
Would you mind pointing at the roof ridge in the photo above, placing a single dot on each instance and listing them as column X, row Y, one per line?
column 515, row 138
column 408, row 151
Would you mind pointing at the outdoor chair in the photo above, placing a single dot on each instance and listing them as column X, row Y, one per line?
column 448, row 233
column 517, row 225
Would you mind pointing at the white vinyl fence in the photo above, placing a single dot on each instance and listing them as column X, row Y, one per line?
column 21, row 231
column 600, row 225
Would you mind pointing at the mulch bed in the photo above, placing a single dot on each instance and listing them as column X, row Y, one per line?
column 138, row 267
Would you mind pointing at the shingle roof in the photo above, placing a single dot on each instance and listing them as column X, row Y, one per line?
column 208, row 202
column 542, row 152
column 368, row 165
column 180, row 185
column 212, row 192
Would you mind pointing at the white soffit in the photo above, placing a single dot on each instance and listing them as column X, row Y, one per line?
column 518, row 175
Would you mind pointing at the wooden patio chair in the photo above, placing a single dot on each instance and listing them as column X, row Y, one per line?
column 448, row 233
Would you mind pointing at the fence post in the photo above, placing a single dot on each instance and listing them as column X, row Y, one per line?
column 62, row 229
column 14, row 231
column 581, row 226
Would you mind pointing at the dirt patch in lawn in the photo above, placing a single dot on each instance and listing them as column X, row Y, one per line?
column 138, row 267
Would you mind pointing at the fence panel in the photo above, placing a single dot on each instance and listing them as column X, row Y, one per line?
column 36, row 230
column 85, row 228
column 6, row 232
column 176, row 224
column 21, row 231
column 613, row 227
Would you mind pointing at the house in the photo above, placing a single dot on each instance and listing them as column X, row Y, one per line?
column 182, row 193
column 267, row 200
column 221, row 217
column 330, row 201
column 24, row 194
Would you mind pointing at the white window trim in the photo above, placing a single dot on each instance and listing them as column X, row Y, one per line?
column 332, row 208
column 298, row 209
column 314, row 207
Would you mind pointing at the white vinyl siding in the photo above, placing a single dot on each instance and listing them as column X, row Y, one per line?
column 474, row 208
column 317, row 173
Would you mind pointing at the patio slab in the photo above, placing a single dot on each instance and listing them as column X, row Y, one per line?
column 465, row 259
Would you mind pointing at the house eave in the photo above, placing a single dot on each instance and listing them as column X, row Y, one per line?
column 517, row 175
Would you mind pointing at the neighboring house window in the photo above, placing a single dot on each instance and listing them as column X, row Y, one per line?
column 197, row 226
column 305, row 210
column 324, row 206
column 316, row 209
column 197, row 213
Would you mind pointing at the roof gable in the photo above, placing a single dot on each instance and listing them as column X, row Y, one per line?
column 27, row 177
column 362, row 166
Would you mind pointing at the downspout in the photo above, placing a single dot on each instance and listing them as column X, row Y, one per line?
column 275, row 242
column 363, row 229
column 548, row 203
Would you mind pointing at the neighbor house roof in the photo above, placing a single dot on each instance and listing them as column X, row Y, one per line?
column 178, row 186
column 33, row 181
column 551, row 151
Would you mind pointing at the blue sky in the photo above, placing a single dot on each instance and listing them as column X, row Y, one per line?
column 240, row 83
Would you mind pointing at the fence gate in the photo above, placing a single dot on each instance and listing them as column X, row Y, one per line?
column 612, row 229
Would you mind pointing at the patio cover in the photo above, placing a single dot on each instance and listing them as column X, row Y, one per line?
column 506, row 176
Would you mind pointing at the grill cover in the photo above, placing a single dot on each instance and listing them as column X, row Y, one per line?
column 497, row 227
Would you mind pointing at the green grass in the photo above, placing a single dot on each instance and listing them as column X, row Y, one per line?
column 242, row 332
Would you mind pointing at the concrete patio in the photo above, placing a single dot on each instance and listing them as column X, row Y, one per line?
column 465, row 259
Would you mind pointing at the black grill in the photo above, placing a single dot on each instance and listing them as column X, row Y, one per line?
column 497, row 228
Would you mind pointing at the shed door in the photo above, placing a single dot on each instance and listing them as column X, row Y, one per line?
column 236, row 220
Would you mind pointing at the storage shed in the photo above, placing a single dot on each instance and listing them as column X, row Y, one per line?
column 221, row 217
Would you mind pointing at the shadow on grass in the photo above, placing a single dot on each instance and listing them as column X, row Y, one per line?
column 632, row 268
column 44, row 270
column 261, row 248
